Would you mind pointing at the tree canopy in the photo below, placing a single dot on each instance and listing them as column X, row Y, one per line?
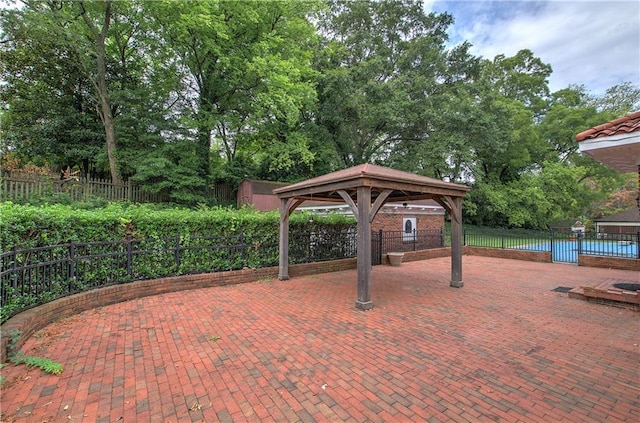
column 177, row 96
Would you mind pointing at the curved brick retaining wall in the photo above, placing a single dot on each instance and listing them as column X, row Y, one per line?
column 30, row 321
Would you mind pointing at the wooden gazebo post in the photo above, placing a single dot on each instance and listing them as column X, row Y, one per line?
column 287, row 206
column 364, row 249
column 456, row 241
column 283, row 270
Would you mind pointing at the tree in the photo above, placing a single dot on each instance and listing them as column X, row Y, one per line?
column 246, row 69
column 380, row 67
column 557, row 183
column 619, row 100
column 568, row 111
column 483, row 129
column 81, row 58
column 97, row 74
column 623, row 197
column 172, row 171
column 522, row 77
column 556, row 193
column 50, row 116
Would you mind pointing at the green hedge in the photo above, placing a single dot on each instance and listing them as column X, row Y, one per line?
column 28, row 226
column 87, row 249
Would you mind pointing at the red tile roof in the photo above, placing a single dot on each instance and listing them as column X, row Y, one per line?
column 623, row 125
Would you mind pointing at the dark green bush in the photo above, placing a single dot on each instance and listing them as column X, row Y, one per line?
column 28, row 226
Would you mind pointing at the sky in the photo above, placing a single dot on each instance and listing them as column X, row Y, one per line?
column 586, row 42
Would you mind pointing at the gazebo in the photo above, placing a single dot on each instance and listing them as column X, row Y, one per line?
column 365, row 188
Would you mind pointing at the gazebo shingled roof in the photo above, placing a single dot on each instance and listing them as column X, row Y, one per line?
column 406, row 186
column 365, row 188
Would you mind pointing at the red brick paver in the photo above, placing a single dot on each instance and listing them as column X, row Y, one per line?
column 503, row 348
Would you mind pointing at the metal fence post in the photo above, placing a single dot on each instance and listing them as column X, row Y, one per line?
column 551, row 242
column 243, row 253
column 638, row 245
column 72, row 264
column 464, row 237
column 579, row 237
column 129, row 256
column 442, row 237
column 176, row 253
column 14, row 267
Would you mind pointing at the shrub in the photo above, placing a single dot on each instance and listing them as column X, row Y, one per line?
column 27, row 226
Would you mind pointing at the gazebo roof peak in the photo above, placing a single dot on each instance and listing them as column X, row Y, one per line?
column 370, row 173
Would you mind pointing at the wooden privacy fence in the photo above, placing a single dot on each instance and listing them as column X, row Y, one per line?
column 19, row 189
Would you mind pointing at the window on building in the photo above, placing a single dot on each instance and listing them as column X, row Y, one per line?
column 408, row 228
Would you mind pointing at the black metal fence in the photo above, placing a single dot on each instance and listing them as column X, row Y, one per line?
column 564, row 245
column 322, row 245
column 400, row 241
column 33, row 276
column 383, row 242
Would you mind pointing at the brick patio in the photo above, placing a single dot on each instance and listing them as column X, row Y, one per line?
column 503, row 348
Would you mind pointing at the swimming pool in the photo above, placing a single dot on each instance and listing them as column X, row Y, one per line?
column 567, row 251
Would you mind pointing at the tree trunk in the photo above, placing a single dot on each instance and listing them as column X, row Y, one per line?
column 100, row 84
column 107, row 116
column 204, row 137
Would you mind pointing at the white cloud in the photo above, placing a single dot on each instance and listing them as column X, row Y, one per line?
column 595, row 43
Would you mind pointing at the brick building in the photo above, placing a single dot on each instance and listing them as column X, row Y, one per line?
column 425, row 215
column 406, row 226
column 420, row 215
column 259, row 194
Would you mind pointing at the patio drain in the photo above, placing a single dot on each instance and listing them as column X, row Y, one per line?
column 564, row 289
column 628, row 286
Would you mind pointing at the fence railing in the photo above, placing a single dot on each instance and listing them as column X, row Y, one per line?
column 20, row 189
column 564, row 245
column 33, row 276
column 322, row 245
column 401, row 241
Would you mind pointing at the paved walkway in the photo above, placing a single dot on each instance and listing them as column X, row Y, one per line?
column 503, row 348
